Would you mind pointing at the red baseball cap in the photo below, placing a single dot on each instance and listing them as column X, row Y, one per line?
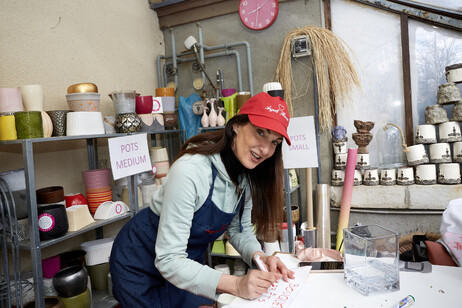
column 268, row 112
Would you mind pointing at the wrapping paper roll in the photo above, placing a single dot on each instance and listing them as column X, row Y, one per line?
column 323, row 216
column 84, row 123
column 346, row 196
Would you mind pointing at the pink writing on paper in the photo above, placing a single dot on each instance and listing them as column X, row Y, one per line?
column 278, row 295
column 454, row 243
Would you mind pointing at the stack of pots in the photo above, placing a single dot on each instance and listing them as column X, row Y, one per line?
column 150, row 122
column 98, row 187
column 52, row 216
column 86, row 119
column 21, row 113
column 126, row 120
column 160, row 162
column 97, row 261
column 167, row 96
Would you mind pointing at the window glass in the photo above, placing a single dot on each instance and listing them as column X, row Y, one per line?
column 375, row 39
column 431, row 50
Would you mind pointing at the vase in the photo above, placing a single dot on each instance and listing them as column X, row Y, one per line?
column 221, row 119
column 213, row 114
column 205, row 118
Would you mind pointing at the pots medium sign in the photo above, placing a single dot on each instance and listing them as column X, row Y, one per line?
column 129, row 155
column 302, row 153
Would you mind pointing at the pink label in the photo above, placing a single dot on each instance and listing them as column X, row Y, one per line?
column 454, row 242
column 118, row 208
column 46, row 222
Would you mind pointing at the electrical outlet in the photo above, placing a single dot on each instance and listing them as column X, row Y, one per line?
column 300, row 46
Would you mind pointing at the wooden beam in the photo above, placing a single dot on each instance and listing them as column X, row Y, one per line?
column 183, row 12
column 408, row 119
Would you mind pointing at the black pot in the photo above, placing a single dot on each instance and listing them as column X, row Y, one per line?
column 73, row 257
column 71, row 281
column 52, row 221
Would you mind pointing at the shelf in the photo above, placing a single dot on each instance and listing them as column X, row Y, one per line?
column 223, row 255
column 26, row 245
column 102, row 299
column 81, row 137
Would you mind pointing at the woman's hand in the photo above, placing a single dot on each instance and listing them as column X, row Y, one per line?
column 256, row 283
column 250, row 286
column 275, row 265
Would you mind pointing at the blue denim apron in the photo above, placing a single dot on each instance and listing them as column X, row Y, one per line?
column 136, row 280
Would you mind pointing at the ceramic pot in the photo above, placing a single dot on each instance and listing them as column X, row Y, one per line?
column 449, row 132
column 71, row 281
column 124, row 101
column 371, row 177
column 425, row 134
column 49, row 195
column 448, row 93
column 416, row 155
column 127, row 123
column 457, row 153
column 10, row 100
column 435, row 114
column 98, row 275
column 83, row 101
column 340, row 161
column 28, row 124
column 7, row 126
column 449, row 173
column 52, row 221
column 440, row 153
column 143, row 104
column 295, row 213
column 50, row 266
column 58, row 119
column 358, row 178
column 388, row 177
column 170, row 120
column 32, row 97
column 72, row 257
column 50, row 302
column 454, row 73
column 405, row 176
column 362, row 162
column 338, row 177
column 425, row 174
column 82, row 300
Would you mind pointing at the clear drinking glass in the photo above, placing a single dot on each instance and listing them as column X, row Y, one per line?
column 371, row 259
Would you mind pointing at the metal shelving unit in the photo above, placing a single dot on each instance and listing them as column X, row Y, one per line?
column 34, row 244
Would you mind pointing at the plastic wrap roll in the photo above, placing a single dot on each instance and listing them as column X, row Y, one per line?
column 323, row 216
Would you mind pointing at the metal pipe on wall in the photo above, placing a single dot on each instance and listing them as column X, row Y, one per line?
column 202, row 47
column 215, row 55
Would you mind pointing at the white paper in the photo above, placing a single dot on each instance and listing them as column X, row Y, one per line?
column 302, row 153
column 129, row 155
column 280, row 295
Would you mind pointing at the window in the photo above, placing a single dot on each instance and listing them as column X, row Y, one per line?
column 375, row 37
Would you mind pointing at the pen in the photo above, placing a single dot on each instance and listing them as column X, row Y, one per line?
column 405, row 302
column 260, row 263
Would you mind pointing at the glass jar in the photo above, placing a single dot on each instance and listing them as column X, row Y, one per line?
column 389, row 148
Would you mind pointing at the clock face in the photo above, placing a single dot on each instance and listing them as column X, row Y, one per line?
column 258, row 14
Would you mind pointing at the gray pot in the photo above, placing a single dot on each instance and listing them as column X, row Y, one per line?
column 71, row 281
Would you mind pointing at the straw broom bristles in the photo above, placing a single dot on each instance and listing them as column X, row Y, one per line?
column 335, row 72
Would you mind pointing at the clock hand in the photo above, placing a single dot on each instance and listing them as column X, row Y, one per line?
column 258, row 7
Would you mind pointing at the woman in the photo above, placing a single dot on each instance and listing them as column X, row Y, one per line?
column 217, row 181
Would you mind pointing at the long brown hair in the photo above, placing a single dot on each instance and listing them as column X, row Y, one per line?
column 266, row 180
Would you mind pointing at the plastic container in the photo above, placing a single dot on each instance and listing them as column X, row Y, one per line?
column 371, row 259
column 98, row 251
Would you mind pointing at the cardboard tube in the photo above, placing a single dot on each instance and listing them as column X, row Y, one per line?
column 346, row 196
column 309, row 197
column 323, row 216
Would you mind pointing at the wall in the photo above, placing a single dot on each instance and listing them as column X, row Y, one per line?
column 265, row 48
column 111, row 43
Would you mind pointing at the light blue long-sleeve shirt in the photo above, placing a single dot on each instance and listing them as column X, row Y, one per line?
column 185, row 190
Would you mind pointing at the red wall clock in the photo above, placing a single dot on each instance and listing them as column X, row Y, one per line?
column 258, row 14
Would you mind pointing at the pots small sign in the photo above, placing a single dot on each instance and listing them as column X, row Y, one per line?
column 303, row 152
